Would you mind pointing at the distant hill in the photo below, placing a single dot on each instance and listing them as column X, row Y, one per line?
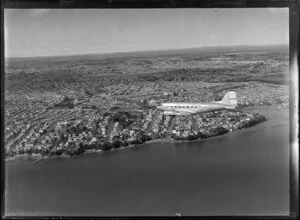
column 155, row 53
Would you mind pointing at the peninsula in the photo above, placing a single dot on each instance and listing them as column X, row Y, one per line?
column 113, row 130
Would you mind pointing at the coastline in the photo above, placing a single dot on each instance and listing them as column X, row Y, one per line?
column 39, row 157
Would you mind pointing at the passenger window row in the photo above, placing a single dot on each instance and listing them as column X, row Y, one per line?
column 185, row 106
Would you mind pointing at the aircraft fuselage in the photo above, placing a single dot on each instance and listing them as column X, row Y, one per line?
column 191, row 108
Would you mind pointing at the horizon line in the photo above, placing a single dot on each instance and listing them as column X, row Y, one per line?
column 127, row 52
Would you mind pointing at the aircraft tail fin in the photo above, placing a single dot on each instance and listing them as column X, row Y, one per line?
column 229, row 99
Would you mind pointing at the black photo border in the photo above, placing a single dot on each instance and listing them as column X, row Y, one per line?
column 294, row 9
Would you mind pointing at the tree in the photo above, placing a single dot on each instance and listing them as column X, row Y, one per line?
column 106, row 146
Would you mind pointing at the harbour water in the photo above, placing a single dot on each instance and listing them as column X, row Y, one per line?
column 241, row 173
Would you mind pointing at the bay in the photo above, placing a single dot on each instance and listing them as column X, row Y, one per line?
column 241, row 173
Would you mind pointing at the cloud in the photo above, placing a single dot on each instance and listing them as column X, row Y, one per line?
column 39, row 12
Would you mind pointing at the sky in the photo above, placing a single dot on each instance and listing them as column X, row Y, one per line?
column 51, row 32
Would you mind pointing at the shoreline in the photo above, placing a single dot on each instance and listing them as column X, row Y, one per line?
column 36, row 158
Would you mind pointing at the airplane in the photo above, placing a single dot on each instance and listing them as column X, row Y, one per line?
column 229, row 101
